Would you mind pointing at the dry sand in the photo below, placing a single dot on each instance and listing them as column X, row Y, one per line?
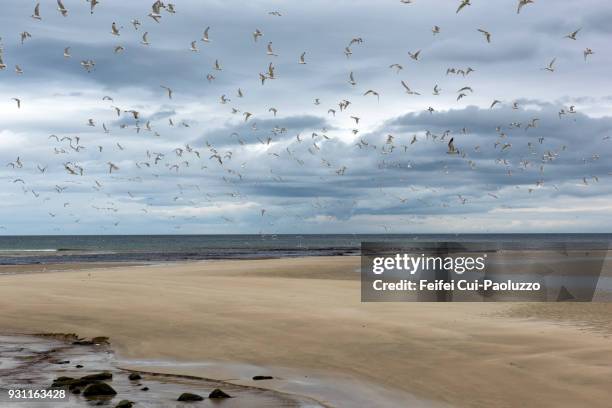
column 305, row 315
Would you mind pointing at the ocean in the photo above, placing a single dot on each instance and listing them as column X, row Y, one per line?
column 24, row 250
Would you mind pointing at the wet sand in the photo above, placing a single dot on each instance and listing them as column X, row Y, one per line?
column 36, row 362
column 303, row 318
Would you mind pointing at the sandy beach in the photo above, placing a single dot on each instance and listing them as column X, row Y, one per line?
column 303, row 316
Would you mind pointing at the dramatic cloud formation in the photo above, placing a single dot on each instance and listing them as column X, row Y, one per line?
column 537, row 161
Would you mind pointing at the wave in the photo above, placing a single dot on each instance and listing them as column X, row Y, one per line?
column 155, row 257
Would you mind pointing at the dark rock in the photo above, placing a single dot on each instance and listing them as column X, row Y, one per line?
column 93, row 341
column 144, row 389
column 125, row 404
column 83, row 343
column 62, row 382
column 79, row 383
column 76, row 391
column 98, row 377
column 134, row 377
column 78, row 366
column 99, row 389
column 62, row 362
column 263, row 377
column 187, row 396
column 217, row 393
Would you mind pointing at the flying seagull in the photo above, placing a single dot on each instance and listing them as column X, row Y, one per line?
column 145, row 39
column 36, row 14
column 270, row 51
column 408, row 90
column 352, row 79
column 114, row 29
column 168, row 90
column 523, row 3
column 415, row 55
column 60, row 7
column 111, row 167
column 205, row 36
column 462, row 5
column 92, row 5
column 486, row 34
column 551, row 66
column 372, row 92
column 397, row 67
column 451, row 147
column 573, row 34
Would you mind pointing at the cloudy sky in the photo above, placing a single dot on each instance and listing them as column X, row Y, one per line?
column 306, row 170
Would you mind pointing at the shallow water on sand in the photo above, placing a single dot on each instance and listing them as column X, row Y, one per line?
column 30, row 362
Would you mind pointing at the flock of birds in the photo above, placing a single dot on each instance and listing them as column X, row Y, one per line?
column 276, row 144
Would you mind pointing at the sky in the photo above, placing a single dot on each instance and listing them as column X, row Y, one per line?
column 537, row 161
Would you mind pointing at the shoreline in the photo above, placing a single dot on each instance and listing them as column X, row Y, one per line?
column 305, row 314
column 67, row 266
column 60, row 267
